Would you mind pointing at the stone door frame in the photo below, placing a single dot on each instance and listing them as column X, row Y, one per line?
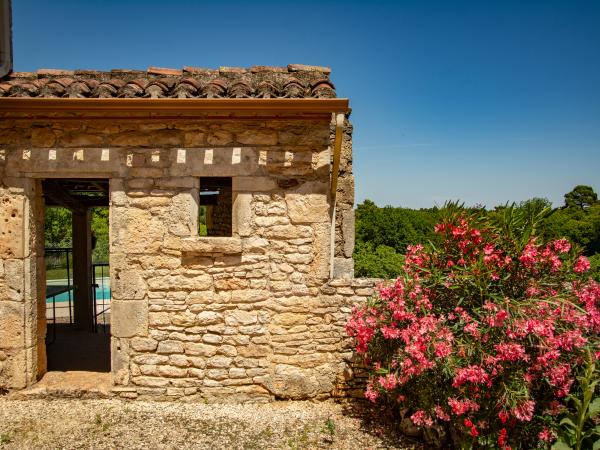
column 37, row 239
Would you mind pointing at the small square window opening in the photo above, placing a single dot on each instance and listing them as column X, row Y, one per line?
column 215, row 207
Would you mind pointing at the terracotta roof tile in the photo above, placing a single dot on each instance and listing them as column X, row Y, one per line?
column 125, row 72
column 259, row 69
column 86, row 72
column 54, row 72
column 293, row 81
column 304, row 68
column 232, row 70
column 22, row 75
column 199, row 70
column 164, row 71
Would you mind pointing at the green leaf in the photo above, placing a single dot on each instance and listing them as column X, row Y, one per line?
column 560, row 445
column 567, row 421
column 592, row 431
column 594, row 407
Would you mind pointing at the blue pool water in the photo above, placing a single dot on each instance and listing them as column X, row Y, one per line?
column 102, row 292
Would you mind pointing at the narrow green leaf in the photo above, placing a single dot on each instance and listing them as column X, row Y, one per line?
column 567, row 421
column 594, row 407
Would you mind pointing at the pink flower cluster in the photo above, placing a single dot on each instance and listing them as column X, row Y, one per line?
column 475, row 318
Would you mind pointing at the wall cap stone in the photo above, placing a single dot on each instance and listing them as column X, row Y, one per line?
column 208, row 244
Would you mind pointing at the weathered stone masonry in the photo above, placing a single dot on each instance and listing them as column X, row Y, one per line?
column 255, row 316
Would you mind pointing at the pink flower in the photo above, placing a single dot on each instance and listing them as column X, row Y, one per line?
column 472, row 374
column 562, row 245
column 546, row 435
column 502, row 437
column 389, row 382
column 472, row 329
column 560, row 378
column 498, row 319
column 442, row 349
column 370, row 394
column 529, row 255
column 524, row 411
column 581, row 265
column 511, row 352
column 420, row 418
column 460, row 407
column 556, row 263
column 390, row 333
column 441, row 414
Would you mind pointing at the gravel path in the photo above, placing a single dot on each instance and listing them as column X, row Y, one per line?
column 115, row 424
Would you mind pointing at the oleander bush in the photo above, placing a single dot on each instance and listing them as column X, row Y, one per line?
column 484, row 332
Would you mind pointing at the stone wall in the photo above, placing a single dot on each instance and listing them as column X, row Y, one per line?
column 22, row 322
column 344, row 221
column 253, row 316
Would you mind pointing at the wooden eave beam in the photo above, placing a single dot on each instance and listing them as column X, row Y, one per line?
column 169, row 108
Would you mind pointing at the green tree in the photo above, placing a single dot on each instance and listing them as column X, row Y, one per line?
column 100, row 230
column 58, row 230
column 578, row 220
column 581, row 197
column 393, row 227
column 535, row 206
column 57, row 227
column 378, row 262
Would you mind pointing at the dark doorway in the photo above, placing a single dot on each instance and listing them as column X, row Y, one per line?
column 77, row 280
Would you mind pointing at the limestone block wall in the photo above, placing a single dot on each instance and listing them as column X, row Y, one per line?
column 22, row 320
column 249, row 317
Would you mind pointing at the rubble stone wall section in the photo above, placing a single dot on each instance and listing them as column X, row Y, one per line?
column 251, row 317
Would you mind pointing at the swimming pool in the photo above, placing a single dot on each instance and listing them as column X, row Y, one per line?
column 102, row 291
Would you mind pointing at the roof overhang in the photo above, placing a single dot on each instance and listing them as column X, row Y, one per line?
column 170, row 108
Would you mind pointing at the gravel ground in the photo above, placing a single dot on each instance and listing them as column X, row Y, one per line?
column 115, row 424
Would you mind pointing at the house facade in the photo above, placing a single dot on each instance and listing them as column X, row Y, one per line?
column 249, row 304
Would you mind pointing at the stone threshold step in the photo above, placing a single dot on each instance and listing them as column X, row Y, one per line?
column 73, row 384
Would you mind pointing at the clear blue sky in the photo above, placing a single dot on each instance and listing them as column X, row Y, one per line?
column 481, row 101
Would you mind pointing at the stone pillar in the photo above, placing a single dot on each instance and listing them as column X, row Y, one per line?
column 22, row 349
column 82, row 262
column 344, row 221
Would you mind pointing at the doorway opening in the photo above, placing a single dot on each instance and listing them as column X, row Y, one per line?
column 77, row 281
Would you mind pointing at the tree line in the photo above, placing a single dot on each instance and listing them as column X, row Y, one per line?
column 383, row 233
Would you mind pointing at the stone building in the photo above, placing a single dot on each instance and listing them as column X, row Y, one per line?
column 253, row 310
